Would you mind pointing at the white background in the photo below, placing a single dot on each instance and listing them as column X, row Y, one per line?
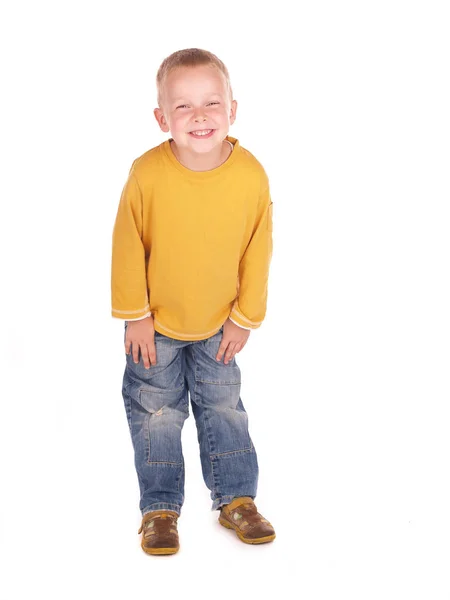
column 346, row 384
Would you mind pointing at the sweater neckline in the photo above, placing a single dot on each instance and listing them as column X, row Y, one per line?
column 202, row 175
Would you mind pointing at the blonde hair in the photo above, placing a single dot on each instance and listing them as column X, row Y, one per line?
column 189, row 57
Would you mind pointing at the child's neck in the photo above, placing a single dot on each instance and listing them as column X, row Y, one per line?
column 201, row 162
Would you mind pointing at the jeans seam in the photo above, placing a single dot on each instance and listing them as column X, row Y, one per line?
column 231, row 452
column 163, row 462
column 213, row 481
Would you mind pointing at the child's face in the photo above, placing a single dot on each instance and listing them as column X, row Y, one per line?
column 196, row 98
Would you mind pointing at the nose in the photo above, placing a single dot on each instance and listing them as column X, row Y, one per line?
column 199, row 117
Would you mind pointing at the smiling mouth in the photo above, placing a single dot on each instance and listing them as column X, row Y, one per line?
column 201, row 132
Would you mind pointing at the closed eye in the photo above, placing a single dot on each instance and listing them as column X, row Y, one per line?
column 183, row 105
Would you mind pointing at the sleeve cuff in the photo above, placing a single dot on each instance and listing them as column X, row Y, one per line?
column 149, row 314
column 239, row 325
column 131, row 315
column 239, row 319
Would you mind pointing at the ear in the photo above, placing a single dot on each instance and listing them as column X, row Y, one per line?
column 159, row 116
column 233, row 110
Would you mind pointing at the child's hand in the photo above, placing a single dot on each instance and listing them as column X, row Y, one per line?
column 234, row 339
column 141, row 334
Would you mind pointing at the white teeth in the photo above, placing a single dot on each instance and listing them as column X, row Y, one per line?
column 200, row 133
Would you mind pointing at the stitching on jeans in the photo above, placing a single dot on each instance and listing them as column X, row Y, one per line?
column 231, row 452
column 180, row 474
column 213, row 482
column 155, row 390
column 220, row 382
column 163, row 462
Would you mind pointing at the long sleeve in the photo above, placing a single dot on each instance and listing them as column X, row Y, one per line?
column 129, row 293
column 250, row 306
column 239, row 325
column 149, row 314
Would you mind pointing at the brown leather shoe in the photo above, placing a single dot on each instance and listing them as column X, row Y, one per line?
column 159, row 532
column 242, row 516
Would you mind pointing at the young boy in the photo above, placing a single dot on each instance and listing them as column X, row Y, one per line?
column 192, row 245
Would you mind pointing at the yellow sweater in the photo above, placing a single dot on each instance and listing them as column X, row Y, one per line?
column 192, row 247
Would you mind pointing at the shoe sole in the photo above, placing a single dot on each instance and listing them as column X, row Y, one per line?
column 262, row 540
column 159, row 551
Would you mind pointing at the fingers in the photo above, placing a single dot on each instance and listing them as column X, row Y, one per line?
column 229, row 350
column 152, row 352
column 135, row 351
column 140, row 336
column 221, row 351
column 145, row 357
column 233, row 340
column 148, row 352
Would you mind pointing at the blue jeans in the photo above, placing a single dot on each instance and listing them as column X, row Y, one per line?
column 156, row 404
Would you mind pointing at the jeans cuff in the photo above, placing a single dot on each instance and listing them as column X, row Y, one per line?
column 161, row 506
column 218, row 502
